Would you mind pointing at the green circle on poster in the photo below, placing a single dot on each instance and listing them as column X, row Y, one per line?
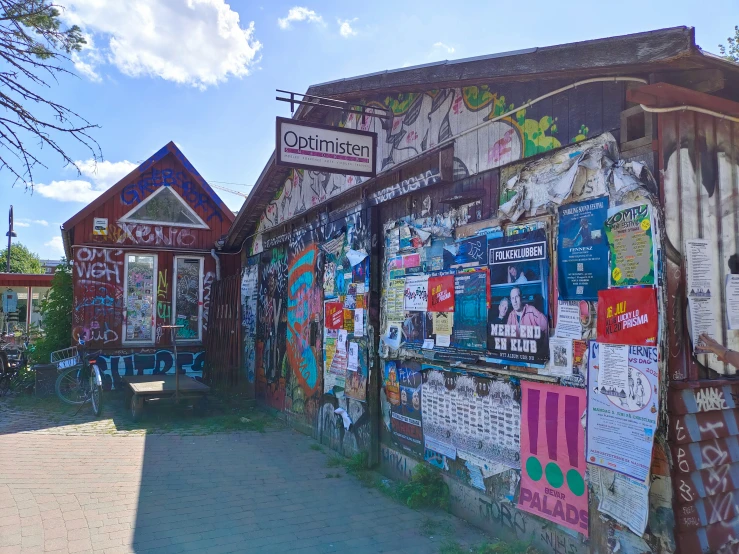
column 533, row 468
column 554, row 475
column 575, row 482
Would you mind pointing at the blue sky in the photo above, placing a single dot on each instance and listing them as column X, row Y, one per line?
column 189, row 71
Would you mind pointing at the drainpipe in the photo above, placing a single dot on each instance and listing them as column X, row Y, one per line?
column 218, row 263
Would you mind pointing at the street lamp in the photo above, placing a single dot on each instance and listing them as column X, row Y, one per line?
column 10, row 234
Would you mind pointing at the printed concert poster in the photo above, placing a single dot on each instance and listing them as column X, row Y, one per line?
column 628, row 316
column 518, row 322
column 629, row 233
column 623, row 409
column 356, row 381
column 471, row 300
column 553, row 454
column 405, row 404
column 582, row 250
column 441, row 293
column 475, row 418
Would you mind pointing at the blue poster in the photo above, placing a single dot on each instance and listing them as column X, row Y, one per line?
column 470, row 309
column 582, row 250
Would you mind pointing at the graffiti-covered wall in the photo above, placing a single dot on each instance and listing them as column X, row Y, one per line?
column 424, row 120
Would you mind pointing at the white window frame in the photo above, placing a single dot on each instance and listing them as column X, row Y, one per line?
column 200, row 225
column 124, row 341
column 201, row 282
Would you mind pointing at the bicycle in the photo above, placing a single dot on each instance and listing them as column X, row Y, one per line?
column 80, row 380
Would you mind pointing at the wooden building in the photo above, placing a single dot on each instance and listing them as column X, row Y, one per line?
column 474, row 153
column 143, row 256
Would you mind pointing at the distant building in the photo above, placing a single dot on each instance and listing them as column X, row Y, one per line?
column 49, row 266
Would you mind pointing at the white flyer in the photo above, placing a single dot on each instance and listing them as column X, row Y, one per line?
column 359, row 322
column 702, row 321
column 568, row 320
column 443, row 340
column 732, row 301
column 614, row 361
column 353, row 363
column 560, row 356
column 699, row 267
column 416, row 292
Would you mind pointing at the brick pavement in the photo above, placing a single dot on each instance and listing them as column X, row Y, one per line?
column 81, row 488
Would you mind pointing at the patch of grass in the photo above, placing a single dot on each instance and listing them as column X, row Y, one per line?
column 426, row 489
column 333, row 475
column 432, row 527
column 316, row 447
column 335, row 461
column 496, row 547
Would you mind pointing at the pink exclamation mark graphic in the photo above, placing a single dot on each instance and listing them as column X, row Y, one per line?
column 533, row 420
column 552, row 410
column 572, row 421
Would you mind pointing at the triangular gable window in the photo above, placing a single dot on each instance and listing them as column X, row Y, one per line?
column 165, row 207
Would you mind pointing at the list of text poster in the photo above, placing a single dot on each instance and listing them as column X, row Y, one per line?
column 631, row 247
column 622, row 422
column 582, row 249
column 474, row 417
column 699, row 276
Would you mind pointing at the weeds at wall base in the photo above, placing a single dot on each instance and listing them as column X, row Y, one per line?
column 497, row 547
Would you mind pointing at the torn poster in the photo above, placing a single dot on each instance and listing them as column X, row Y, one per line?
column 474, row 415
column 344, row 417
column 441, row 293
column 356, row 256
column 629, row 233
column 623, row 405
column 416, row 292
column 553, row 455
column 628, row 316
column 624, row 499
column 582, row 251
column 406, row 414
column 518, row 324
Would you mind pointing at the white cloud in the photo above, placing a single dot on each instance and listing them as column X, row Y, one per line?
column 56, row 244
column 345, row 27
column 41, row 222
column 442, row 46
column 21, row 224
column 194, row 42
column 299, row 14
column 25, row 222
column 99, row 177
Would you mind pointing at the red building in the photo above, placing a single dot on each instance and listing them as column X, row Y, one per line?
column 143, row 256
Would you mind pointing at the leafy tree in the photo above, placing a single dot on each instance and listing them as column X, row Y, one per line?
column 56, row 311
column 731, row 52
column 34, row 49
column 22, row 260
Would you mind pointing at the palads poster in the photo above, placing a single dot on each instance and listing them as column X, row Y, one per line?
column 629, row 234
column 553, row 454
column 582, row 251
column 518, row 322
column 403, row 390
column 623, row 405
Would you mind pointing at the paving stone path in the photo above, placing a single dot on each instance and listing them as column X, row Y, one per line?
column 75, row 484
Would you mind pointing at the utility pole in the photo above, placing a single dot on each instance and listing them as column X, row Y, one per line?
column 10, row 234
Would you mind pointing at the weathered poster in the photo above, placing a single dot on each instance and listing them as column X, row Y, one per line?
column 416, row 292
column 623, row 410
column 249, row 295
column 474, row 417
column 624, row 499
column 472, row 294
column 396, row 299
column 518, row 322
column 582, row 251
column 553, row 454
column 631, row 247
column 560, row 357
column 356, row 381
column 441, row 293
column 405, row 412
column 628, row 316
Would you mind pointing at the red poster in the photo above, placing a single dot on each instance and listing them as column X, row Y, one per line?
column 334, row 315
column 553, row 454
column 628, row 316
column 441, row 293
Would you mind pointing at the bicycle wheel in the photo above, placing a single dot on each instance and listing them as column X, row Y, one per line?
column 70, row 387
column 96, row 390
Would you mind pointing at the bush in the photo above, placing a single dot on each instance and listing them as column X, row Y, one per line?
column 426, row 489
column 56, row 310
